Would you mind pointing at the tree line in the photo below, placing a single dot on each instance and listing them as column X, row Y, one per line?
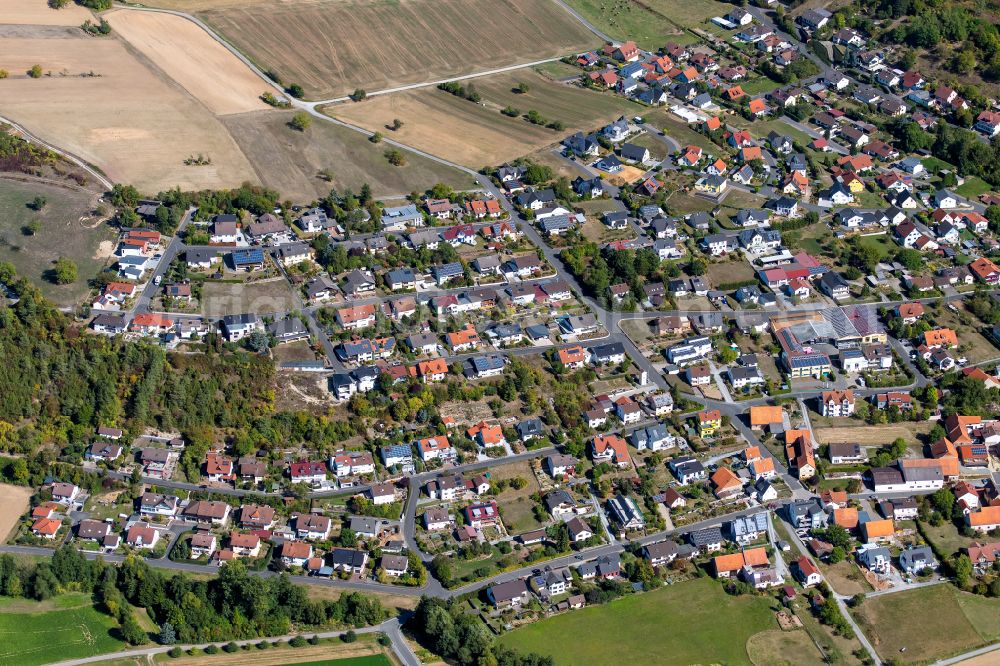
column 233, row 605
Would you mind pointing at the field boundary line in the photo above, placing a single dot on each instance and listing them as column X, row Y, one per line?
column 453, row 79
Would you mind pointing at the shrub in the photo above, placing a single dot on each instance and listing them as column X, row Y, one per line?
column 349, row 636
column 211, row 649
column 300, row 121
column 175, row 652
column 231, row 647
column 298, row 641
column 314, row 640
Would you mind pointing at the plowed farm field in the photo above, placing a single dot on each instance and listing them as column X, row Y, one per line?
column 332, row 47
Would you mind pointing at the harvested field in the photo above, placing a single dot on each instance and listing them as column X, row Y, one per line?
column 136, row 127
column 14, row 500
column 222, row 298
column 37, row 12
column 189, row 55
column 871, row 435
column 290, row 161
column 331, row 47
column 478, row 134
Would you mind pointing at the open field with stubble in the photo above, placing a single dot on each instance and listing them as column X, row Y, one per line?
column 189, row 55
column 101, row 103
column 476, row 135
column 36, row 12
column 331, row 47
column 289, row 161
column 14, row 500
column 66, row 228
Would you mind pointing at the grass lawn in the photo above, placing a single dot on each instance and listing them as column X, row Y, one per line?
column 983, row 613
column 736, row 200
column 783, row 647
column 693, row 622
column 868, row 199
column 66, row 230
column 933, row 165
column 761, row 128
column 895, row 621
column 845, row 577
column 558, row 70
column 839, row 649
column 945, row 537
column 681, row 203
column 759, row 86
column 516, row 505
column 34, row 634
column 813, row 238
column 657, row 149
column 971, row 343
column 595, row 230
column 729, row 271
column 881, row 244
column 679, row 130
column 973, row 187
column 627, row 20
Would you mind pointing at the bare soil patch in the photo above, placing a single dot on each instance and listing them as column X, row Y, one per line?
column 222, row 298
column 99, row 102
column 14, row 500
column 331, row 47
column 307, row 391
column 190, row 56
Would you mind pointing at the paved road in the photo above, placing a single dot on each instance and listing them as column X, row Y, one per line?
column 587, row 24
column 841, row 600
column 173, row 248
column 968, row 655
